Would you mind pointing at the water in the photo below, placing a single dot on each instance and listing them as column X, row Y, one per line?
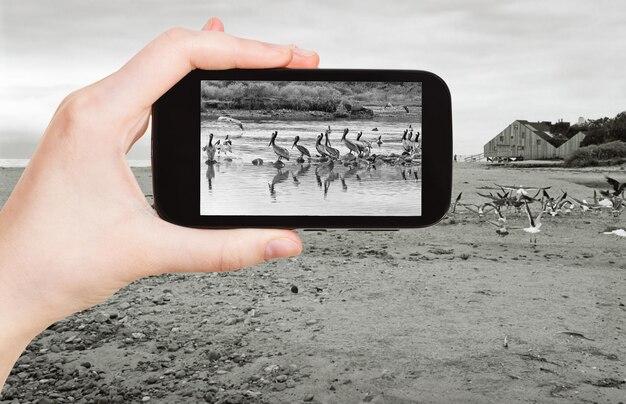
column 238, row 187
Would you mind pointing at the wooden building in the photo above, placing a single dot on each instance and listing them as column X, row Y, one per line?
column 569, row 147
column 530, row 140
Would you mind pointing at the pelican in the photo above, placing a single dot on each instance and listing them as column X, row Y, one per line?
column 362, row 143
column 303, row 150
column 349, row 143
column 534, row 224
column 321, row 149
column 210, row 150
column 332, row 152
column 406, row 144
column 281, row 152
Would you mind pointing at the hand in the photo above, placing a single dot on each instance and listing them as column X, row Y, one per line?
column 77, row 227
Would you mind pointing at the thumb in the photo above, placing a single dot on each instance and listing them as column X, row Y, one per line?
column 214, row 24
column 181, row 249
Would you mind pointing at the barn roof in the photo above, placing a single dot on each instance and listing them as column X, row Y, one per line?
column 541, row 129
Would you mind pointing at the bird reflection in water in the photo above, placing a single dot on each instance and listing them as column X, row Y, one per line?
column 281, row 176
column 210, row 174
column 304, row 168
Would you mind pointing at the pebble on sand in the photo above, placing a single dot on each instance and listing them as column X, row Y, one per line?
column 294, row 289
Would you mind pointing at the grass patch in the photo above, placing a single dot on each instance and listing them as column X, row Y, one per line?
column 607, row 154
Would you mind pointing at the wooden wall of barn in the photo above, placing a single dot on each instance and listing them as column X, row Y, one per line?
column 569, row 147
column 517, row 139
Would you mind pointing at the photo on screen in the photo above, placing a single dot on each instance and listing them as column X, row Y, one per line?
column 315, row 148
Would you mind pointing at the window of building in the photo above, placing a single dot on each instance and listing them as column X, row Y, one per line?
column 538, row 142
column 501, row 138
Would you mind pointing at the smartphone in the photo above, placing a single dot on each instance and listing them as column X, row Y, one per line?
column 303, row 148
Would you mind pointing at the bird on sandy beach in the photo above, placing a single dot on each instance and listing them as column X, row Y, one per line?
column 498, row 211
column 281, row 152
column 210, row 150
column 620, row 232
column 379, row 141
column 455, row 202
column 618, row 187
column 551, row 205
column 502, row 229
column 349, row 143
column 332, row 152
column 303, row 150
column 520, row 191
column 534, row 224
column 478, row 210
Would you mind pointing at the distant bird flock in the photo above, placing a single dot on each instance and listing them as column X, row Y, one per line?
column 518, row 198
column 359, row 149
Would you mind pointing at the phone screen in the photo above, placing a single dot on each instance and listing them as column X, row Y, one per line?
column 310, row 148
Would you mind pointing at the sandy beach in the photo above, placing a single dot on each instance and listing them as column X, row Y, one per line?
column 413, row 316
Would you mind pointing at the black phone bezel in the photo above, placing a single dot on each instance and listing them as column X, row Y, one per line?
column 175, row 140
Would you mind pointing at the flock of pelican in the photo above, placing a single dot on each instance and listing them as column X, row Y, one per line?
column 325, row 157
column 520, row 199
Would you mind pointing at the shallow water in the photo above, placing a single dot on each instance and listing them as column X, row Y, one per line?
column 238, row 187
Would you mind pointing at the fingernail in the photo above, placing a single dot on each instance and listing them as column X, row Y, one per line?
column 303, row 52
column 281, row 248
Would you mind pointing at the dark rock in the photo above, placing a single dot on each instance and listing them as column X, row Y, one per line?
column 294, row 289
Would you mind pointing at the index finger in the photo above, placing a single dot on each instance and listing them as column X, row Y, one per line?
column 173, row 54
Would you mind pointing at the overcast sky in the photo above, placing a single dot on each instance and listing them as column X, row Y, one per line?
column 503, row 60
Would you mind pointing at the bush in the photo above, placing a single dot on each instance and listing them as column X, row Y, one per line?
column 603, row 154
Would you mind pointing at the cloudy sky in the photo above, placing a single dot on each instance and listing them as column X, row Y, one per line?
column 503, row 60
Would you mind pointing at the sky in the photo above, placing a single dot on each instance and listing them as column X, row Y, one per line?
column 503, row 60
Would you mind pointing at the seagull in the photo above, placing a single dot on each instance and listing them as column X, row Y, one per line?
column 618, row 187
column 281, row 152
column 521, row 191
column 406, row 108
column 479, row 210
column 616, row 231
column 502, row 229
column 456, row 201
column 534, row 224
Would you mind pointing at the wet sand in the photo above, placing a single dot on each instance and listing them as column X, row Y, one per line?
column 381, row 317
